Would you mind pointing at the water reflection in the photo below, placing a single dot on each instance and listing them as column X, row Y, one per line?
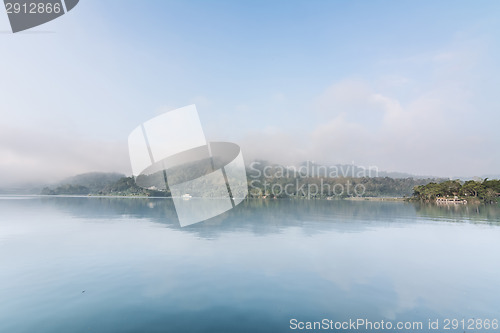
column 264, row 216
column 250, row 270
column 460, row 213
column 258, row 216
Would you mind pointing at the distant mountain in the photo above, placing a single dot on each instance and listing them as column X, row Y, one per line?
column 100, row 183
column 94, row 181
column 80, row 184
column 22, row 189
column 376, row 182
column 274, row 180
column 312, row 169
column 478, row 178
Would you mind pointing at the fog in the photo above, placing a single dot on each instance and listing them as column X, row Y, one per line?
column 36, row 157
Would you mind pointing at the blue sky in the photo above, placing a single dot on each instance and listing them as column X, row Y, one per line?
column 407, row 86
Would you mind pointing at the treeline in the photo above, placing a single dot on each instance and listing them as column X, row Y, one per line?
column 66, row 189
column 333, row 188
column 486, row 191
column 124, row 186
column 260, row 187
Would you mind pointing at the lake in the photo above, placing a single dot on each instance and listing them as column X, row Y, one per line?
column 89, row 264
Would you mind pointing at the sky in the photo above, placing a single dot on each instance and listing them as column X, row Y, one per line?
column 408, row 86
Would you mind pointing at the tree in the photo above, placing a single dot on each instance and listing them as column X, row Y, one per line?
column 472, row 188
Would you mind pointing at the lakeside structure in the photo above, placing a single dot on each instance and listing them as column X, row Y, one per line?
column 454, row 201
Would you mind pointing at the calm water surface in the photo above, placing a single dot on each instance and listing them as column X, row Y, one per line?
column 125, row 265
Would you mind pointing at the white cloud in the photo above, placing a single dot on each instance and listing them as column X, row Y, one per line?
column 435, row 129
column 34, row 156
column 424, row 136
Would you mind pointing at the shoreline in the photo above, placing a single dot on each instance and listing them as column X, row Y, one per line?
column 399, row 199
column 355, row 199
column 157, row 197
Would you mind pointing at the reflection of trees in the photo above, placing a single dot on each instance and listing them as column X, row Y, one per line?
column 114, row 207
column 262, row 216
column 470, row 213
column 273, row 215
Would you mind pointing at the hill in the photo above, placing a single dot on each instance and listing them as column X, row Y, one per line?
column 94, row 181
